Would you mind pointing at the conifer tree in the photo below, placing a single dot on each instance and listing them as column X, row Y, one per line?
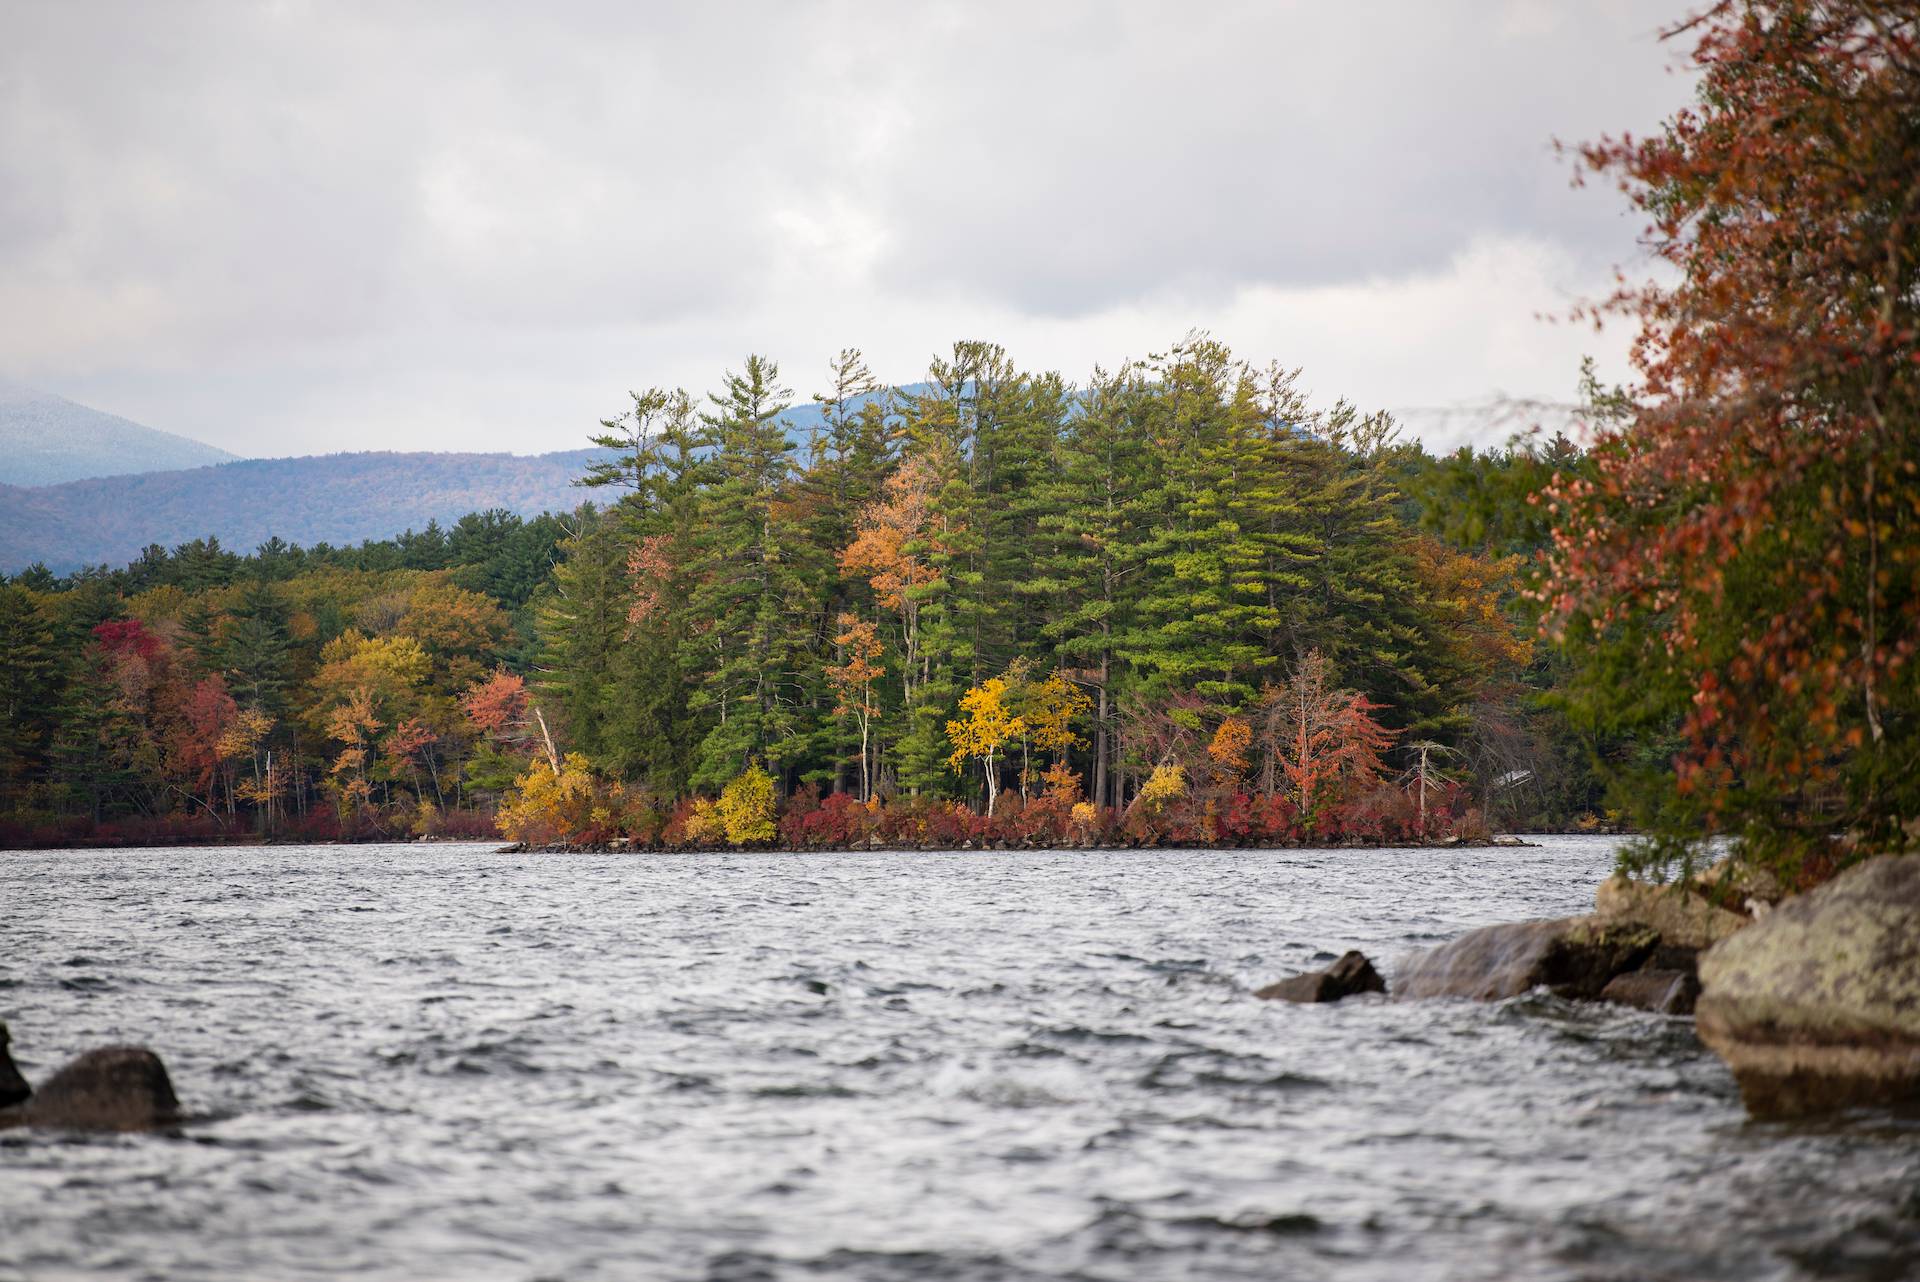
column 745, row 557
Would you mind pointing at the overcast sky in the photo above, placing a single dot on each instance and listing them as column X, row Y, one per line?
column 294, row 228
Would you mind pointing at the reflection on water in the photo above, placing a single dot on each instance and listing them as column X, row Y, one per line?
column 438, row 1062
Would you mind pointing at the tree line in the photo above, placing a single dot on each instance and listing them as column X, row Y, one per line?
column 1179, row 580
column 1177, row 602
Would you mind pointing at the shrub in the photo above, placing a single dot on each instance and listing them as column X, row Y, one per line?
column 746, row 808
column 1166, row 784
column 693, row 825
column 544, row 806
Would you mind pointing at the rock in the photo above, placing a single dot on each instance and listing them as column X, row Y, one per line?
column 1574, row 956
column 1664, row 992
column 1352, row 974
column 116, row 1088
column 1680, row 919
column 1730, row 882
column 1817, row 1007
column 1507, row 839
column 13, row 1087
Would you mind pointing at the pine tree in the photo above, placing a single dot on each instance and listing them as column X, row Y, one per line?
column 1089, row 557
column 29, row 672
column 748, row 588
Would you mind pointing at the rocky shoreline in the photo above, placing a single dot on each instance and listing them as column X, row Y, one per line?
column 1812, row 1000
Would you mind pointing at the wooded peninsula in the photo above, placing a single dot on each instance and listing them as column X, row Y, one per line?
column 1179, row 601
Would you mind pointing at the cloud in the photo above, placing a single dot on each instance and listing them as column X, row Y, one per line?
column 289, row 227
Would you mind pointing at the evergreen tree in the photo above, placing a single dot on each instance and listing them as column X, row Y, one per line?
column 29, row 674
column 744, row 558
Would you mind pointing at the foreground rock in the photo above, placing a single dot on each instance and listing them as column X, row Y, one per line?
column 1681, row 919
column 1664, row 992
column 13, row 1087
column 1817, row 1007
column 1573, row 956
column 1351, row 975
column 116, row 1088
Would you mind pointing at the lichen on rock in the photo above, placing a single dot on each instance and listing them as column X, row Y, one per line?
column 1817, row 1007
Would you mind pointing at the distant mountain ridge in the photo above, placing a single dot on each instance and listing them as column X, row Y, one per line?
column 332, row 498
column 47, row 439
column 109, row 518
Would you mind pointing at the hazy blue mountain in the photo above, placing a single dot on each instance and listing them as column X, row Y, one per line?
column 46, row 439
column 333, row 498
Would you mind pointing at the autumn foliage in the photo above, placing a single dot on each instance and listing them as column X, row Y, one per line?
column 1740, row 568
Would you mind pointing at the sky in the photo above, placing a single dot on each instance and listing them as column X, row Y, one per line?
column 295, row 228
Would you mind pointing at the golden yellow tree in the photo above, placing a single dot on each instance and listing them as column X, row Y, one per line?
column 546, row 804
column 244, row 740
column 746, row 807
column 1046, row 710
column 985, row 726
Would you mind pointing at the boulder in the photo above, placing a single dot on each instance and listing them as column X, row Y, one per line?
column 1352, row 974
column 1573, row 956
column 1682, row 920
column 1664, row 992
column 1817, row 1007
column 13, row 1087
column 116, row 1088
column 1730, row 881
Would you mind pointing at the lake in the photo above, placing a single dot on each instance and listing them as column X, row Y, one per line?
column 422, row 1061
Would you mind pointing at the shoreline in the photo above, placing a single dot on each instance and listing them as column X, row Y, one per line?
column 620, row 846
column 625, row 847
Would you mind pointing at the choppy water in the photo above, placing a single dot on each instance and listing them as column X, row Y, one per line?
column 439, row 1062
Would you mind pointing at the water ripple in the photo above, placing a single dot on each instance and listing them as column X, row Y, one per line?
column 438, row 1062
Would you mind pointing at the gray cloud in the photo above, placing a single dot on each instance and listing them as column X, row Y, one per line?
column 286, row 227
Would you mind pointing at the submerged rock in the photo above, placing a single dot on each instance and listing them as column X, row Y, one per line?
column 1352, row 974
column 1682, row 920
column 13, row 1087
column 1817, row 1007
column 1574, row 956
column 116, row 1088
column 1664, row 992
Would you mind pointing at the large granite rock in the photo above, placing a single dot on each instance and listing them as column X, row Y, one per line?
column 116, row 1088
column 1573, row 956
column 1682, row 919
column 1352, row 974
column 1817, row 1007
column 13, row 1087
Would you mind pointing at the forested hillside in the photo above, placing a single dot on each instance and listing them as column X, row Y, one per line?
column 335, row 498
column 1178, row 603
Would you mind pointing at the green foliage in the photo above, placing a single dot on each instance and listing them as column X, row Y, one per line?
column 1123, row 568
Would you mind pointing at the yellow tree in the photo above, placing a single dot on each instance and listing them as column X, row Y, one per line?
column 364, row 685
column 354, row 724
column 746, row 807
column 984, row 727
column 853, row 685
column 245, row 739
column 1046, row 710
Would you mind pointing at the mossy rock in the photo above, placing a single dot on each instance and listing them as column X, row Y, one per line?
column 1817, row 1006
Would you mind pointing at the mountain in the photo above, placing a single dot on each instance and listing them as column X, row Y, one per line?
column 333, row 498
column 46, row 439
